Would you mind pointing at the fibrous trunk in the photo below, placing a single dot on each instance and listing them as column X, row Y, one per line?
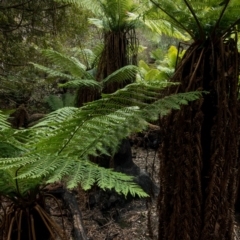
column 199, row 154
column 120, row 49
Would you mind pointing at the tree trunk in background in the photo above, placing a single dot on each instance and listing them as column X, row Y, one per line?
column 120, row 49
column 199, row 154
column 85, row 95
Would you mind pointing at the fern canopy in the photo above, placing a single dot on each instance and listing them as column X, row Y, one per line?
column 200, row 19
column 58, row 147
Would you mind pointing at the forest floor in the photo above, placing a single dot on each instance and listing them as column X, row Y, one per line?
column 117, row 219
column 107, row 216
column 127, row 220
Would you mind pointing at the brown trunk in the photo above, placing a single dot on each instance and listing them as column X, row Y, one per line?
column 199, row 154
column 85, row 95
column 120, row 50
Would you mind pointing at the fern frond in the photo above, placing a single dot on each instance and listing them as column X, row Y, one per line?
column 157, row 24
column 12, row 187
column 163, row 106
column 73, row 81
column 123, row 74
column 8, row 149
column 53, row 73
column 65, row 100
column 92, row 6
column 82, row 83
column 60, row 145
column 4, row 124
column 57, row 116
column 7, row 182
column 68, row 64
column 115, row 115
column 199, row 19
column 54, row 102
column 88, row 56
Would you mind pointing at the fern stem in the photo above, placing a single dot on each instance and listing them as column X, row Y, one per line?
column 231, row 26
column 221, row 15
column 173, row 18
column 68, row 141
column 196, row 19
column 195, row 70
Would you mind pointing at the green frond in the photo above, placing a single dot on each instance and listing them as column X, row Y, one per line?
column 53, row 73
column 93, row 6
column 157, row 24
column 88, row 56
column 75, row 81
column 56, row 117
column 7, row 149
column 68, row 64
column 3, row 122
column 115, row 116
column 111, row 14
column 48, row 125
column 99, row 23
column 68, row 99
column 121, row 75
column 55, row 102
column 59, row 146
column 89, row 83
column 37, row 168
column 200, row 19
column 121, row 183
column 12, row 187
column 73, row 171
column 7, row 182
column 17, row 162
column 76, row 75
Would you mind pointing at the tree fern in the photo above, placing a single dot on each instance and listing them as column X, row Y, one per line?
column 198, row 18
column 112, row 15
column 75, row 81
column 60, row 145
